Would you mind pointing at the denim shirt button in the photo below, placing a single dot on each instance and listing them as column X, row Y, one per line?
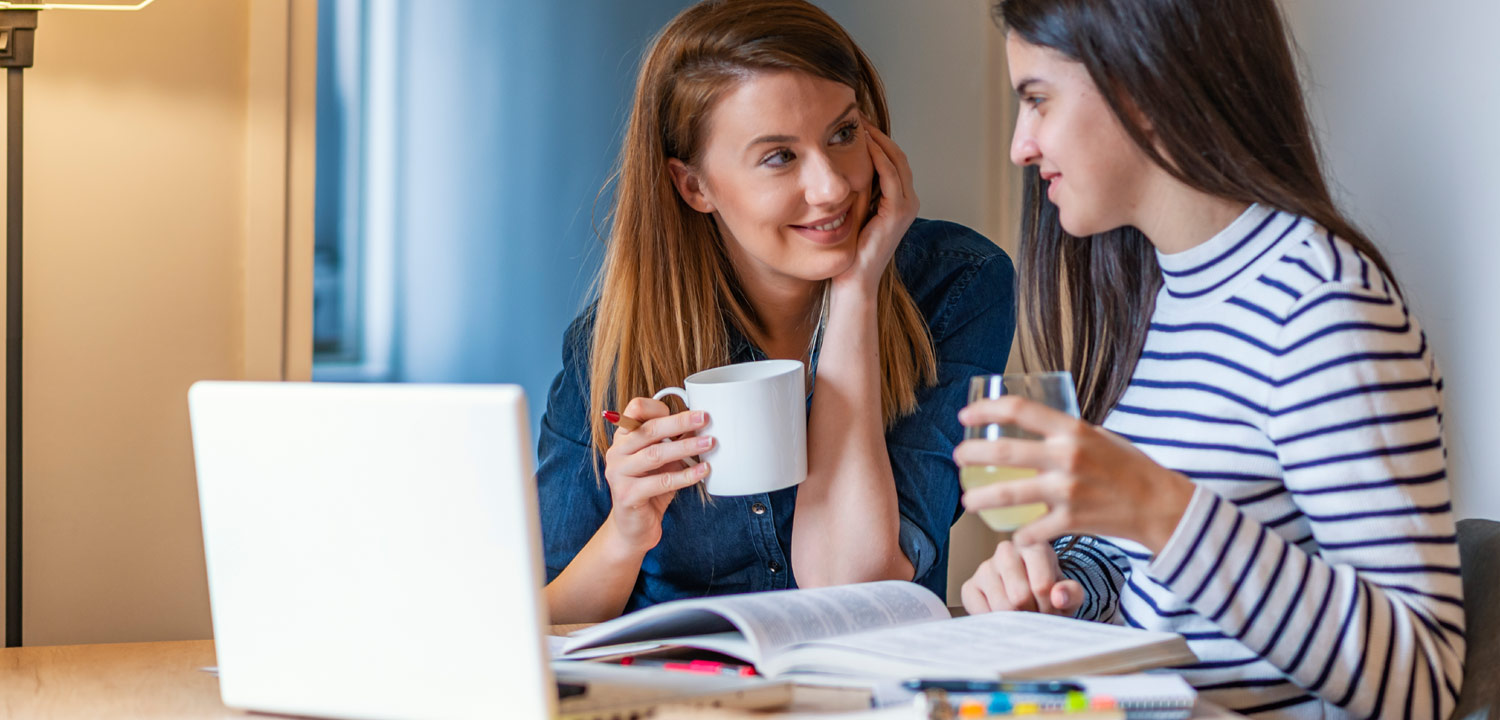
column 758, row 508
column 773, row 566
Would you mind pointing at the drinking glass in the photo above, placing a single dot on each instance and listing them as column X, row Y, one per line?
column 1053, row 389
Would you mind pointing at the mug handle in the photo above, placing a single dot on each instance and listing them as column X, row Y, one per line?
column 681, row 395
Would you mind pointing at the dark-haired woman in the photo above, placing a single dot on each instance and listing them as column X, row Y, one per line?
column 1260, row 464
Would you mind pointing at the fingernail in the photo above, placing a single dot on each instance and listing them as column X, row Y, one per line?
column 699, row 417
column 612, row 416
column 701, row 469
column 704, row 443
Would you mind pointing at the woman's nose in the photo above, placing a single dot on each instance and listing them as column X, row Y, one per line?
column 826, row 183
column 1023, row 149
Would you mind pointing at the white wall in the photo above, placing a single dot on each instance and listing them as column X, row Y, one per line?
column 1407, row 103
column 946, row 84
column 936, row 58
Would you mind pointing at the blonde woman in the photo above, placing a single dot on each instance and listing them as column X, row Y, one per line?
column 761, row 211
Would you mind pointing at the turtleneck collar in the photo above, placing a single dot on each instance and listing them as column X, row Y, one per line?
column 1211, row 270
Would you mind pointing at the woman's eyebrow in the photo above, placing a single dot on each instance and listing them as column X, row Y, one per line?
column 843, row 114
column 780, row 139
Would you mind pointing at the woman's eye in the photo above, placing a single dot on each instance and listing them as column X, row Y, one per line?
column 846, row 134
column 778, row 158
column 1032, row 100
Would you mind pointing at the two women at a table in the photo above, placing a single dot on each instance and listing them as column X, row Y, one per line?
column 1259, row 462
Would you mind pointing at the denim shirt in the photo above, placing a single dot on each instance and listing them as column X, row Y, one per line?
column 964, row 287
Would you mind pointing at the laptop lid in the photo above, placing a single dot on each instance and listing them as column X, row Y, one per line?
column 373, row 551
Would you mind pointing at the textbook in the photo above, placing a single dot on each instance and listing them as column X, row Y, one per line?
column 885, row 630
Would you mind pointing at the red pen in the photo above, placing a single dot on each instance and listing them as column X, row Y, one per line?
column 630, row 424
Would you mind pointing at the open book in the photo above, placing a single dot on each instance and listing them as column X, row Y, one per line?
column 888, row 630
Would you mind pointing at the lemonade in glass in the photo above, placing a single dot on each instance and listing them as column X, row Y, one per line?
column 1053, row 389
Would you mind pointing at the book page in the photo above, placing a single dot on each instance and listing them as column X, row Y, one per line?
column 776, row 620
column 667, row 620
column 991, row 644
column 773, row 620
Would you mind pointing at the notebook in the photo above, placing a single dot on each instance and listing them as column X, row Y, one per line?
column 1155, row 696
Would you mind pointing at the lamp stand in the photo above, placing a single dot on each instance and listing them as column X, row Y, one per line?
column 17, row 37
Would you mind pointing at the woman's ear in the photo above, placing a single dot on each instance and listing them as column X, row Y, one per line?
column 689, row 186
column 1139, row 119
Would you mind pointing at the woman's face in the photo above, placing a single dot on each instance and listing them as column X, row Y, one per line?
column 1096, row 175
column 786, row 173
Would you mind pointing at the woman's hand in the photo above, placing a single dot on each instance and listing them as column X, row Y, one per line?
column 893, row 215
column 644, row 473
column 1021, row 578
column 1093, row 481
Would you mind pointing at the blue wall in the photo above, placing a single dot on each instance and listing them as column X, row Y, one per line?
column 511, row 115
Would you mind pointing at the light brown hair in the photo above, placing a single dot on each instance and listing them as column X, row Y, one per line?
column 667, row 291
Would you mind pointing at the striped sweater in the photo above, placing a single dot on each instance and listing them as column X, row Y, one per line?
column 1315, row 571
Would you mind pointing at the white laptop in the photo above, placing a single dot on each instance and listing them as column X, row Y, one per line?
column 373, row 552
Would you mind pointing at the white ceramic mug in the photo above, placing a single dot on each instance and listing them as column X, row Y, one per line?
column 757, row 415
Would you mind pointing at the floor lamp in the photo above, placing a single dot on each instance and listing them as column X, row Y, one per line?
column 17, row 42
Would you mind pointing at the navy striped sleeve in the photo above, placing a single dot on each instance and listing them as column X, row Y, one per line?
column 1101, row 568
column 1374, row 598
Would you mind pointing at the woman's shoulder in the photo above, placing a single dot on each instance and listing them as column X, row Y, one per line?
column 942, row 263
column 577, row 347
column 1316, row 266
column 579, row 337
column 933, row 240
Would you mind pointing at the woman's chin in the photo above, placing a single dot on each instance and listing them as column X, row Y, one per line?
column 824, row 265
column 1081, row 225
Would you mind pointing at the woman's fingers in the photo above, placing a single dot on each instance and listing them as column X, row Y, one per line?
column 1011, row 568
column 892, row 189
column 893, row 151
column 1067, row 596
column 1014, row 410
column 640, row 466
column 644, row 489
column 973, row 599
column 1042, row 573
column 1009, row 493
column 653, row 457
column 656, row 426
column 1020, row 577
column 1002, row 452
column 985, row 591
column 1055, row 524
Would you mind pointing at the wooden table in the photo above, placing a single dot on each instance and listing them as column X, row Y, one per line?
column 128, row 680
column 154, row 680
column 164, row 680
column 124, row 680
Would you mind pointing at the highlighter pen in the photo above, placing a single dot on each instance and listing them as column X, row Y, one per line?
column 1038, row 687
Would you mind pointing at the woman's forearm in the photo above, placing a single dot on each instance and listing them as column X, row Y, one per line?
column 847, row 523
column 596, row 585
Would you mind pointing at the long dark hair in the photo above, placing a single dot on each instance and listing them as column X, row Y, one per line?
column 1216, row 84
